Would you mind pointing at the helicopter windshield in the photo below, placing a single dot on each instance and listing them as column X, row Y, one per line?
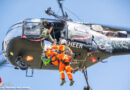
column 32, row 29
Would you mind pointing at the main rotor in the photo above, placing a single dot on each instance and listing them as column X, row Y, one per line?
column 64, row 15
column 61, row 7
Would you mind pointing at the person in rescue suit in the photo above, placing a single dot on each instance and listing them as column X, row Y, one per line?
column 51, row 54
column 65, row 58
column 58, row 56
column 47, row 54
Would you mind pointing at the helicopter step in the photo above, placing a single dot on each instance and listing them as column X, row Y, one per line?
column 86, row 78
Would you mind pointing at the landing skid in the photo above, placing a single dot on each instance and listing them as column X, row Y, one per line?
column 86, row 78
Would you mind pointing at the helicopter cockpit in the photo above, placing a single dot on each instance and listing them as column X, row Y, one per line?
column 32, row 28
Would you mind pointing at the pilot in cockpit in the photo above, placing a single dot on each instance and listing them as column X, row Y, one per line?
column 46, row 32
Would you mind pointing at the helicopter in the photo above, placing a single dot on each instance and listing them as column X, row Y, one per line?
column 83, row 38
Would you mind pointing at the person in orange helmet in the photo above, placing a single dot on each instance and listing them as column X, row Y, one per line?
column 63, row 48
column 64, row 63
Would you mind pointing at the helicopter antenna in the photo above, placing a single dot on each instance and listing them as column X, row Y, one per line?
column 61, row 7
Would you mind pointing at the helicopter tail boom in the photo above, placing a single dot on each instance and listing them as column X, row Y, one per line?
column 120, row 45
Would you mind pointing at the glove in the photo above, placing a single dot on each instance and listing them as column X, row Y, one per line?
column 43, row 54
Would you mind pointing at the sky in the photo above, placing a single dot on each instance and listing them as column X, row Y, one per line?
column 113, row 75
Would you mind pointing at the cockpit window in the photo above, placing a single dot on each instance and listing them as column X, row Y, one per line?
column 32, row 28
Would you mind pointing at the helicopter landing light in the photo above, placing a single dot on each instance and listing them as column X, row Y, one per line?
column 11, row 53
column 93, row 59
column 29, row 58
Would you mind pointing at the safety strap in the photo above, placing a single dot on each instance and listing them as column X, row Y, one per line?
column 45, row 61
column 64, row 57
column 61, row 72
column 67, row 67
column 43, row 58
column 42, row 46
column 52, row 57
column 68, row 72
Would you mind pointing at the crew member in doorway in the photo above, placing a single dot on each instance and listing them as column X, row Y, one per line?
column 46, row 32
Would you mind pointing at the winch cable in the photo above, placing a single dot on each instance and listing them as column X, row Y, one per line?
column 42, row 47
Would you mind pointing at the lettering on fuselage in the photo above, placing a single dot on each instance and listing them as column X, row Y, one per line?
column 75, row 44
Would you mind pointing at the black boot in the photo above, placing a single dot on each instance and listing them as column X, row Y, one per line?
column 62, row 82
column 71, row 82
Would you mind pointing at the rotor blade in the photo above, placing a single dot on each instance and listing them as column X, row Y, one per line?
column 61, row 7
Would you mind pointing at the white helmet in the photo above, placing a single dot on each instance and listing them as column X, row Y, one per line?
column 63, row 41
column 47, row 46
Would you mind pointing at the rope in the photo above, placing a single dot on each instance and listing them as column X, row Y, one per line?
column 42, row 46
column 42, row 52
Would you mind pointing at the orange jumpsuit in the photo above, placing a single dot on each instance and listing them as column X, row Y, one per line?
column 64, row 63
column 65, row 49
column 52, row 55
column 55, row 47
